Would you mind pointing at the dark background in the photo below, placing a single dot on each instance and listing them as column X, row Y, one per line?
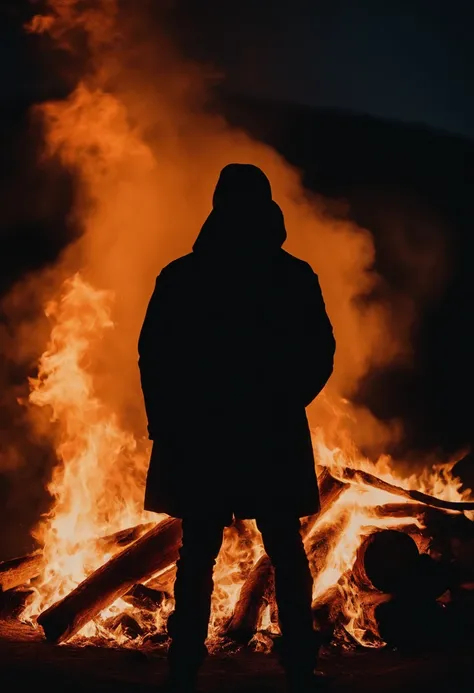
column 372, row 101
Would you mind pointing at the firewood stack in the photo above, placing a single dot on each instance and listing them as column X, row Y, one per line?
column 413, row 587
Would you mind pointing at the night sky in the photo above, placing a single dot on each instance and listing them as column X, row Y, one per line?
column 404, row 59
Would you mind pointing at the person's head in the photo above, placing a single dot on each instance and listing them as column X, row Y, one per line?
column 243, row 185
column 244, row 215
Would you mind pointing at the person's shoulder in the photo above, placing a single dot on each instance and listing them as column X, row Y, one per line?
column 297, row 265
column 177, row 267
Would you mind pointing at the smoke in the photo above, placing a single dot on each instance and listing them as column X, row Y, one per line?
column 145, row 154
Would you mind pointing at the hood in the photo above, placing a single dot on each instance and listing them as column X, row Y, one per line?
column 244, row 215
column 233, row 230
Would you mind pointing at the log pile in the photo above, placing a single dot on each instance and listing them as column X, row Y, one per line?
column 409, row 582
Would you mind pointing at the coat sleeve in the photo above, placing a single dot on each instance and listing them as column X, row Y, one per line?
column 151, row 353
column 318, row 345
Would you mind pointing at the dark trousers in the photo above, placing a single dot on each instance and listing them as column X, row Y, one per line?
column 188, row 624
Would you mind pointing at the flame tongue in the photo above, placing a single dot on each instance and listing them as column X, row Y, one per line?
column 96, row 484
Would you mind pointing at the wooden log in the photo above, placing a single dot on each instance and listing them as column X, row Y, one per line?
column 143, row 597
column 243, row 623
column 357, row 476
column 449, row 539
column 154, row 551
column 386, row 560
column 258, row 589
column 412, row 624
column 164, row 581
column 13, row 602
column 326, row 612
column 124, row 624
column 124, row 537
column 330, row 489
column 269, row 600
column 400, row 510
column 18, row 571
column 357, row 614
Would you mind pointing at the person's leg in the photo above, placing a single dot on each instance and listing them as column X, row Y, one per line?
column 293, row 586
column 188, row 624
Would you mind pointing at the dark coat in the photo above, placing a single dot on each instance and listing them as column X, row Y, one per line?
column 235, row 344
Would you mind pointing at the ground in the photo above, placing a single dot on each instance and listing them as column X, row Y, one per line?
column 29, row 663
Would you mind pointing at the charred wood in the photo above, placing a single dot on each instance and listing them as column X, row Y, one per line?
column 412, row 624
column 143, row 597
column 124, row 537
column 258, row 589
column 358, row 476
column 13, row 602
column 401, row 510
column 244, row 621
column 326, row 612
column 18, row 571
column 124, row 624
column 386, row 560
column 154, row 551
column 330, row 489
column 164, row 581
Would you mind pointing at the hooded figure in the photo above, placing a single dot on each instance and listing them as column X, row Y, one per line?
column 235, row 344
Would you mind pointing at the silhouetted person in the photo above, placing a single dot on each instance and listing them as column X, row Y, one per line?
column 235, row 344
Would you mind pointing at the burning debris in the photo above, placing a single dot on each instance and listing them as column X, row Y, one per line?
column 391, row 593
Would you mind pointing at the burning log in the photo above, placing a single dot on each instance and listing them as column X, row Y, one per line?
column 13, row 602
column 244, row 621
column 18, row 571
column 151, row 553
column 259, row 583
column 164, row 582
column 124, row 624
column 358, row 476
column 330, row 489
column 400, row 510
column 124, row 537
column 326, row 611
column 386, row 560
column 144, row 597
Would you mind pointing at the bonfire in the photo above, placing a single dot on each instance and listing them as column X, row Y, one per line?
column 105, row 568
